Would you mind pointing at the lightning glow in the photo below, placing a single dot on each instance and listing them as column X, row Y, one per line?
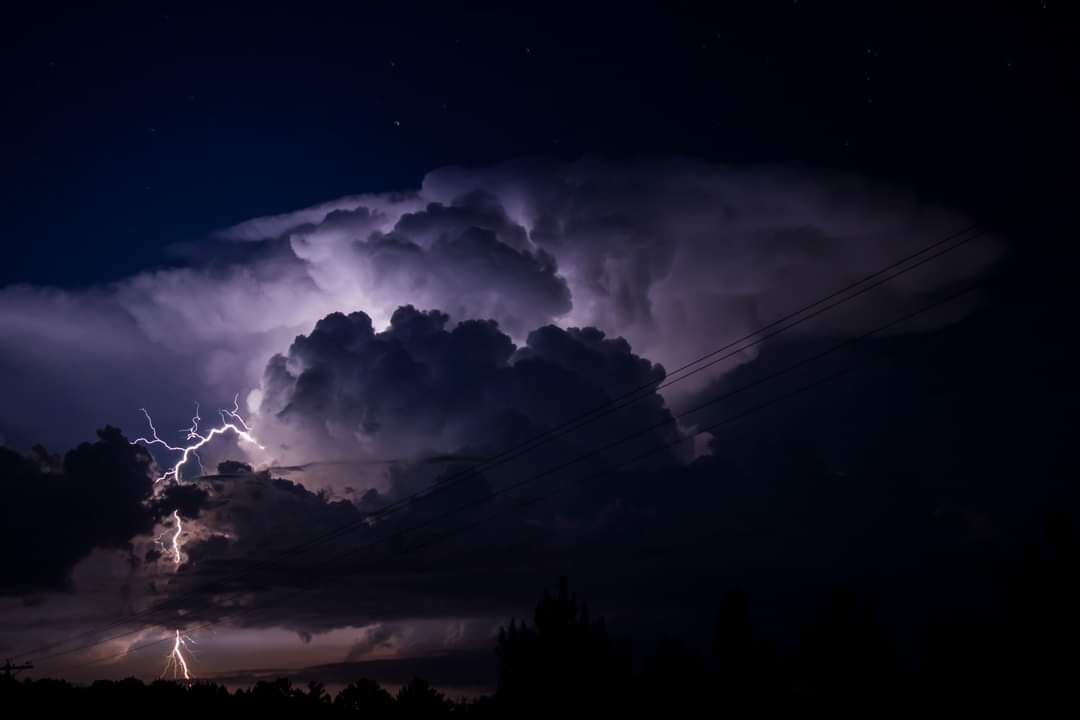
column 174, row 544
column 230, row 421
column 175, row 662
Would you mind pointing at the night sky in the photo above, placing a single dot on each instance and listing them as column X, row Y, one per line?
column 407, row 238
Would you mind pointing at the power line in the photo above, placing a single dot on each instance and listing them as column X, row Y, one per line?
column 820, row 306
column 558, row 468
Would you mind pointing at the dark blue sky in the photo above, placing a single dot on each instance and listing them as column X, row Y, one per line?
column 128, row 129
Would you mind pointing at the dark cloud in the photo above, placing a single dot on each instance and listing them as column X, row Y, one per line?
column 422, row 388
column 426, row 386
column 55, row 512
column 188, row 500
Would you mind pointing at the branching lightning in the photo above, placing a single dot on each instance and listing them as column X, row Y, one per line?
column 175, row 662
column 230, row 420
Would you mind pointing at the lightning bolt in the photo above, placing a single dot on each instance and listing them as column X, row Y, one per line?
column 174, row 544
column 193, row 432
column 175, row 662
column 231, row 420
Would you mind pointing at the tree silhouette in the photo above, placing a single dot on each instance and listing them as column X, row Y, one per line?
column 673, row 681
column 845, row 661
column 563, row 660
column 366, row 698
column 419, row 699
column 316, row 696
column 1043, row 627
column 745, row 669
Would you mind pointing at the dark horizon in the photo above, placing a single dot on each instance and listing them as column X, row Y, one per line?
column 565, row 657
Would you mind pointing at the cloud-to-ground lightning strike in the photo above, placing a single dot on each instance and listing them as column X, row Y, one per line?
column 175, row 662
column 230, row 420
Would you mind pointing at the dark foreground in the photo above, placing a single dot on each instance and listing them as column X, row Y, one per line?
column 566, row 662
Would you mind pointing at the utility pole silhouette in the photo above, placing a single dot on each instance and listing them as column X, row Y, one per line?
column 10, row 669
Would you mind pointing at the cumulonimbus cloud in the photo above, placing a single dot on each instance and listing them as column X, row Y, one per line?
column 448, row 322
column 676, row 256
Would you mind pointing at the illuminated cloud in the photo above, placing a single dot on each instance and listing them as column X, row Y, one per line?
column 676, row 256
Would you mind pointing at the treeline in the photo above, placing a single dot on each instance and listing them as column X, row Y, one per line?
column 564, row 661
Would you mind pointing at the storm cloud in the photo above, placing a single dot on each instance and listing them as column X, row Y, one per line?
column 422, row 389
column 425, row 387
column 676, row 256
column 383, row 345
column 98, row 495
